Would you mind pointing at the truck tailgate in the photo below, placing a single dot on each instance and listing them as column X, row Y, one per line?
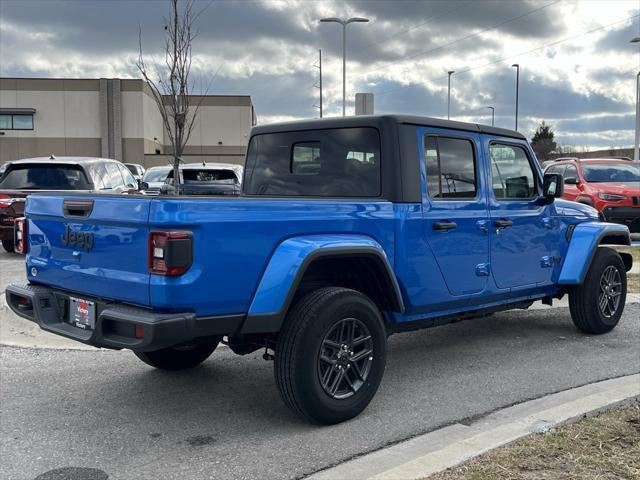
column 95, row 245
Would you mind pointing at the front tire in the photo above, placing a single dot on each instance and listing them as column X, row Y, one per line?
column 178, row 358
column 597, row 305
column 330, row 356
column 8, row 245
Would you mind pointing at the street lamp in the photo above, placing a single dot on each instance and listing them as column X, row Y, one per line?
column 517, row 90
column 344, row 24
column 450, row 72
column 493, row 115
column 636, row 145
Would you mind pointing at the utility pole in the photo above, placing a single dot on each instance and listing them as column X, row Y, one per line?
column 517, row 66
column 344, row 24
column 319, row 85
column 636, row 144
column 450, row 72
column 493, row 115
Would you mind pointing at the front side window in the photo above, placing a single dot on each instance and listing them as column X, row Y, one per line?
column 512, row 175
column 450, row 167
column 570, row 172
column 339, row 162
column 114, row 176
column 129, row 179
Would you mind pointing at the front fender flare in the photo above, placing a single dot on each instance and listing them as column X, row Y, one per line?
column 585, row 239
column 287, row 266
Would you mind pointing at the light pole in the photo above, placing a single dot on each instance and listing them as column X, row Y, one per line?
column 493, row 115
column 344, row 24
column 636, row 145
column 450, row 72
column 517, row 90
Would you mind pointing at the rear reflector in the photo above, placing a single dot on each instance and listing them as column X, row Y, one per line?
column 20, row 235
column 170, row 253
column 139, row 331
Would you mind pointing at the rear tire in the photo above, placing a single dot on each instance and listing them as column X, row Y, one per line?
column 178, row 358
column 330, row 355
column 597, row 305
column 8, row 245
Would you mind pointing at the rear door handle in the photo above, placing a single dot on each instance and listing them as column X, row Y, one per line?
column 502, row 223
column 444, row 225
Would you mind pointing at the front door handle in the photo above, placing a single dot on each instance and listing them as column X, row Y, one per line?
column 444, row 225
column 502, row 223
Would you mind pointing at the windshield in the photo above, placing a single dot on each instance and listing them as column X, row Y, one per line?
column 155, row 175
column 132, row 168
column 44, row 177
column 611, row 172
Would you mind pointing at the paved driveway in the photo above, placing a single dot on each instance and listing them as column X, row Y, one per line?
column 108, row 411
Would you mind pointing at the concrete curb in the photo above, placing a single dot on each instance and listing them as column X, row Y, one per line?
column 447, row 447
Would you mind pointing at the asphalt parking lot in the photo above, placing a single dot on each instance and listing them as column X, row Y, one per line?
column 108, row 411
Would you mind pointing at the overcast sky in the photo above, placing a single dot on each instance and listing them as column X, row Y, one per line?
column 578, row 67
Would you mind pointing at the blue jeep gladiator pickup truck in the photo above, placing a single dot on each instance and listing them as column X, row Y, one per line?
column 347, row 230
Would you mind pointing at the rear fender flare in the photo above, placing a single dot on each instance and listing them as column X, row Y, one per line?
column 585, row 240
column 287, row 266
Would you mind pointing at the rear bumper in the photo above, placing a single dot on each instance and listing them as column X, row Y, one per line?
column 629, row 216
column 116, row 323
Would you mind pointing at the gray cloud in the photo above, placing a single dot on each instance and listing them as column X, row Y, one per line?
column 267, row 50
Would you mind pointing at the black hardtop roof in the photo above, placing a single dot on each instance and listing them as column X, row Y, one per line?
column 379, row 120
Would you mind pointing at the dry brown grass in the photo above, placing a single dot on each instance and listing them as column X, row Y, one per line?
column 604, row 447
column 633, row 279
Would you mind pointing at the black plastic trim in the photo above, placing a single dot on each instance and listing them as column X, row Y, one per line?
column 161, row 330
column 271, row 322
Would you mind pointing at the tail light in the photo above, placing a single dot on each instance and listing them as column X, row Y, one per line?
column 5, row 201
column 20, row 235
column 170, row 253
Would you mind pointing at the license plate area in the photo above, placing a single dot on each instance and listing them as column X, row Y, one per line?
column 82, row 313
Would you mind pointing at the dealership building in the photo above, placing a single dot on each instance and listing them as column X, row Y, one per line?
column 114, row 118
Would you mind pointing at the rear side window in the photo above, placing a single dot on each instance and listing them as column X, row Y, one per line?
column 341, row 162
column 450, row 166
column 512, row 174
column 44, row 177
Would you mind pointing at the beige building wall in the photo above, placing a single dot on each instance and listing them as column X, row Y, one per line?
column 65, row 123
column 85, row 117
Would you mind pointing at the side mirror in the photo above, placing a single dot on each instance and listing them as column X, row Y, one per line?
column 143, row 185
column 571, row 181
column 552, row 188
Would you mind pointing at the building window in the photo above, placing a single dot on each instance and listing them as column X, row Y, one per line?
column 16, row 121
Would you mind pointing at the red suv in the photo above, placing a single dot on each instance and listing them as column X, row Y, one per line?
column 611, row 185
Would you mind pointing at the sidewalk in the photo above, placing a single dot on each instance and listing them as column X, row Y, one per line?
column 447, row 447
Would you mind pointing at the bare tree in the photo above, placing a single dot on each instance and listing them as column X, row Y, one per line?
column 171, row 85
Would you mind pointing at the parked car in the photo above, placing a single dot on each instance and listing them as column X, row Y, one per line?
column 348, row 229
column 610, row 185
column 154, row 178
column 206, row 179
column 136, row 170
column 49, row 174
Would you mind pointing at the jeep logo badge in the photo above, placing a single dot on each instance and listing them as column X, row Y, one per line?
column 72, row 238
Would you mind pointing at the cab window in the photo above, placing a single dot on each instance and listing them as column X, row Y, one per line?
column 512, row 176
column 450, row 164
